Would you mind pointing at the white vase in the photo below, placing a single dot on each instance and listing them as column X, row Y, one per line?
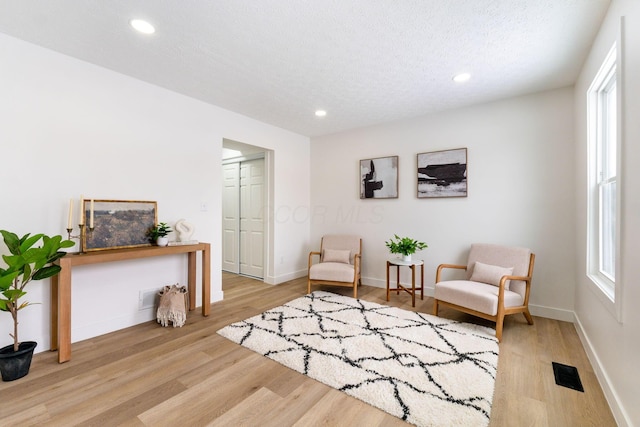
column 406, row 258
column 162, row 241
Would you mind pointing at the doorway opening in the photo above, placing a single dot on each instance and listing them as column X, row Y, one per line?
column 244, row 213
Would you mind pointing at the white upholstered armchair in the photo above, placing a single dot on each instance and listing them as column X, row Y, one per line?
column 498, row 283
column 339, row 262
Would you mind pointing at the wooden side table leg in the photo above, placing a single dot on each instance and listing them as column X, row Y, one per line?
column 388, row 263
column 422, row 281
column 413, row 285
column 206, row 280
column 397, row 280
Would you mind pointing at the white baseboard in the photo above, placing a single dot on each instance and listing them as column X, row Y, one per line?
column 376, row 283
column 276, row 280
column 621, row 416
column 552, row 313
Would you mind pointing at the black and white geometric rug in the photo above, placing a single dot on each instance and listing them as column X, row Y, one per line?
column 423, row 369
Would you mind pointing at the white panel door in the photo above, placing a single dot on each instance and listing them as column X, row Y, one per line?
column 252, row 222
column 230, row 217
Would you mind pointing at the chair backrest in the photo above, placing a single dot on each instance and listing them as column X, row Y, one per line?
column 341, row 242
column 502, row 256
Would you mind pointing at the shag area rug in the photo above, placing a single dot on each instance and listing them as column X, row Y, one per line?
column 421, row 368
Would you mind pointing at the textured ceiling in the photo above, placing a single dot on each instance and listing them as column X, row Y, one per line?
column 364, row 61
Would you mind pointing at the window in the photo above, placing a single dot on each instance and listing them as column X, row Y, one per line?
column 602, row 233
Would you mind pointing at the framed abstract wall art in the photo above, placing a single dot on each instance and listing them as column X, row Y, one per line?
column 442, row 173
column 117, row 223
column 379, row 178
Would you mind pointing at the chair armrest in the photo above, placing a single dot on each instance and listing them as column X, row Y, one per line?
column 443, row 266
column 311, row 254
column 357, row 259
column 523, row 278
column 503, row 280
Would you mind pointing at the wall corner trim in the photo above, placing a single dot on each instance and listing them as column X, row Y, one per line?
column 620, row 415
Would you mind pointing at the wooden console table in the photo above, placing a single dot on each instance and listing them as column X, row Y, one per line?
column 61, row 284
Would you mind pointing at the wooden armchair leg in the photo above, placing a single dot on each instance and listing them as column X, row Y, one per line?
column 308, row 286
column 435, row 307
column 499, row 322
column 527, row 316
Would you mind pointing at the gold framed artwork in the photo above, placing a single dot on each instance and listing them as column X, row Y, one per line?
column 112, row 224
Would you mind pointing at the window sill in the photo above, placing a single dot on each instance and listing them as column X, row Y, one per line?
column 604, row 292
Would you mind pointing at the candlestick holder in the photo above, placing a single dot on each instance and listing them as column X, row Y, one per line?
column 80, row 237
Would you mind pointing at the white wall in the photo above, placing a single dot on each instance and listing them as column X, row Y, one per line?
column 613, row 346
column 520, row 190
column 69, row 128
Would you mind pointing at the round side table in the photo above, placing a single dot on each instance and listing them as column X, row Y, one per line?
column 398, row 262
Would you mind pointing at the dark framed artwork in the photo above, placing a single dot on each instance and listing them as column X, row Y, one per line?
column 442, row 173
column 379, row 178
column 117, row 223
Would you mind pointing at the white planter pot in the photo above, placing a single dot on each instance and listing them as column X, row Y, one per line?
column 162, row 241
column 406, row 258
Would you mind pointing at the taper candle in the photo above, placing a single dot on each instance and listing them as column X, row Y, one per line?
column 70, row 221
column 91, row 223
column 81, row 210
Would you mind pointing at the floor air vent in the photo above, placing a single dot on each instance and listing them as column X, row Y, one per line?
column 567, row 376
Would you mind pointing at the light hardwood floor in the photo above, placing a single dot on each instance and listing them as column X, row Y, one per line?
column 147, row 375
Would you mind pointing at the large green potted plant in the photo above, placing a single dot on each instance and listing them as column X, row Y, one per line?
column 25, row 263
column 405, row 246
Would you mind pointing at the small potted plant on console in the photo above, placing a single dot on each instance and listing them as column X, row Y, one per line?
column 158, row 234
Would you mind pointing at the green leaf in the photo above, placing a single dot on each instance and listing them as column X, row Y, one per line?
column 3, row 305
column 32, row 255
column 26, row 274
column 67, row 244
column 45, row 272
column 12, row 241
column 13, row 294
column 15, row 262
column 29, row 241
column 7, row 278
column 49, row 244
column 56, row 257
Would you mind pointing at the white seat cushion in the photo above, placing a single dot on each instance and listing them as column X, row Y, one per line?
column 475, row 295
column 332, row 271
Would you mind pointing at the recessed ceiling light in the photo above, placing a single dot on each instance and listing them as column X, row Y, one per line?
column 461, row 78
column 321, row 113
column 142, row 26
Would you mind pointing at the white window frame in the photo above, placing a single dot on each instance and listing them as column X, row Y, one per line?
column 601, row 146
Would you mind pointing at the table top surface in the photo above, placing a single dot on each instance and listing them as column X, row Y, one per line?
column 399, row 261
column 121, row 254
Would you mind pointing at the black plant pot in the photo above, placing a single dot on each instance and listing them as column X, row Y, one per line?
column 16, row 364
